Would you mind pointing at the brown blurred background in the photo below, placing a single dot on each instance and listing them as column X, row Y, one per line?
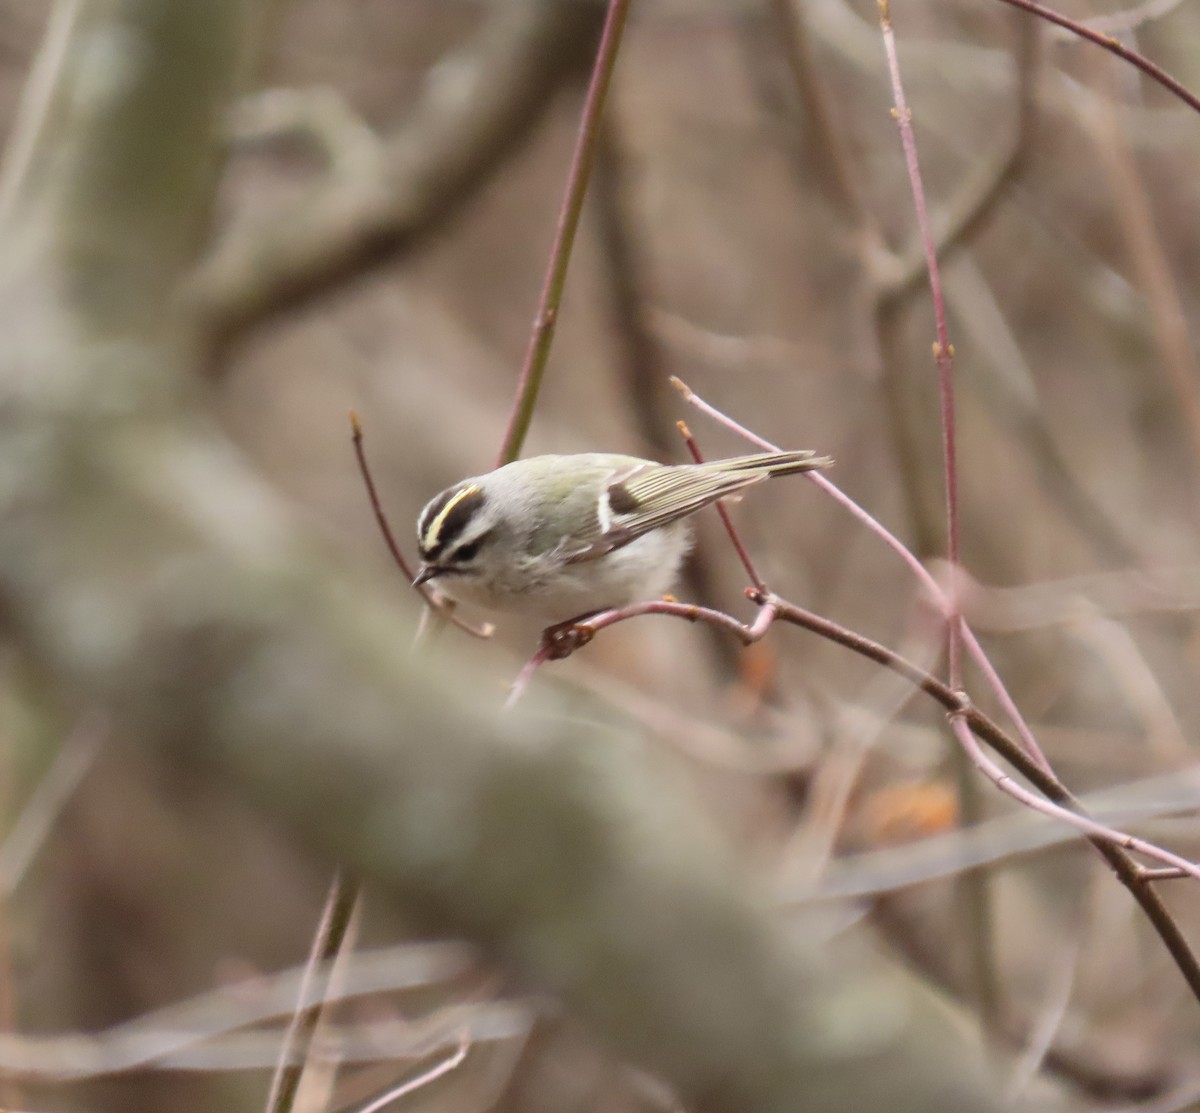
column 750, row 229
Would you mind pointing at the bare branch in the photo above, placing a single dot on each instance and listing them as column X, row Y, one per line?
column 478, row 104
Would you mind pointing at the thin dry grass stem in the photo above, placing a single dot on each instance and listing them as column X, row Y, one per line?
column 1008, row 392
column 328, row 942
column 835, row 777
column 943, row 350
column 34, row 107
column 431, row 597
column 999, row 840
column 1064, row 601
column 1136, row 218
column 727, row 521
column 538, row 352
column 410, row 1086
column 1113, row 46
column 1166, row 741
column 1061, row 978
column 22, row 843
column 37, row 818
column 232, row 1029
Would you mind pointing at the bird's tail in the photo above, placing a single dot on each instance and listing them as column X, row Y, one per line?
column 775, row 463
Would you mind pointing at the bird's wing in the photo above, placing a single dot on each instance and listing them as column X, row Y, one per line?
column 643, row 497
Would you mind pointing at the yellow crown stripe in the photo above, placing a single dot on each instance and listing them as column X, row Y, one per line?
column 435, row 527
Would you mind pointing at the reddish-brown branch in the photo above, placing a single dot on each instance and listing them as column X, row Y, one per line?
column 430, row 596
column 734, row 537
column 1056, row 798
column 943, row 351
column 1113, row 46
column 538, row 352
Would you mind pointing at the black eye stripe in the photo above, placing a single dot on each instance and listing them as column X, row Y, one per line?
column 468, row 552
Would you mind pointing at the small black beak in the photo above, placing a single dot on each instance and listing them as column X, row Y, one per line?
column 426, row 573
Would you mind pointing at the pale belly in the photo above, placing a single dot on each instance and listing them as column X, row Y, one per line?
column 639, row 572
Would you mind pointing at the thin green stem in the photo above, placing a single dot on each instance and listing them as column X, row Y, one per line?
column 534, row 368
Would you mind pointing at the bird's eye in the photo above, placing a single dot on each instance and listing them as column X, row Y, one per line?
column 464, row 554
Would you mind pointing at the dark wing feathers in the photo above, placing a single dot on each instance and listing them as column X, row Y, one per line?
column 649, row 495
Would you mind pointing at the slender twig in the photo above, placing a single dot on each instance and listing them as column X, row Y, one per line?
column 431, row 597
column 1059, row 801
column 328, row 941
column 943, row 351
column 1113, row 46
column 977, row 198
column 565, row 639
column 1113, row 845
column 934, row 589
column 1165, row 873
column 734, row 537
column 538, row 352
column 1132, row 876
column 936, row 594
column 1000, row 690
column 1089, row 827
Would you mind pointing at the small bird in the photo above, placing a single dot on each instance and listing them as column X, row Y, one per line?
column 560, row 537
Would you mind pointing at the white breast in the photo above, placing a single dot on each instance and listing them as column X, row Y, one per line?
column 557, row 591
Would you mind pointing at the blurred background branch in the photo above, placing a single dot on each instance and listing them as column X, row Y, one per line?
column 476, row 106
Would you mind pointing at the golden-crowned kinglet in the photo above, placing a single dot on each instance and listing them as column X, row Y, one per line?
column 559, row 537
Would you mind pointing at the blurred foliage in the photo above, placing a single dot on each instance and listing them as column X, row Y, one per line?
column 746, row 232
